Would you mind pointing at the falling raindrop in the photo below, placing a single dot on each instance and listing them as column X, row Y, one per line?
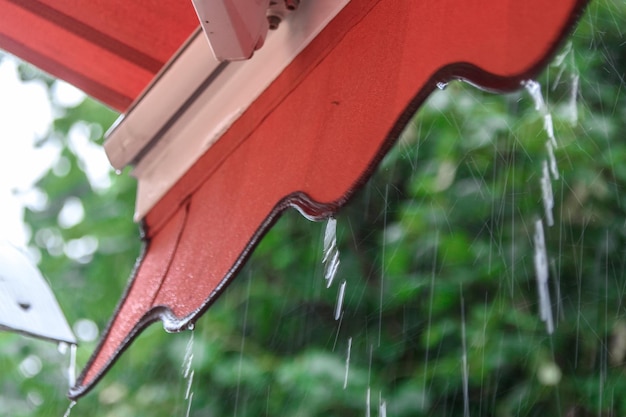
column 430, row 316
column 340, row 297
column 188, row 372
column 541, row 271
column 331, row 252
column 188, row 393
column 548, row 126
column 549, row 172
column 345, row 378
column 382, row 411
column 71, row 371
column 554, row 169
column 534, row 89
column 188, row 358
column 466, row 411
column 69, row 409
column 546, row 194
column 572, row 107
column 242, row 347
column 189, row 404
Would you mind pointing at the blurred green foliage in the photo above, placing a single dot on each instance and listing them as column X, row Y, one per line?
column 437, row 258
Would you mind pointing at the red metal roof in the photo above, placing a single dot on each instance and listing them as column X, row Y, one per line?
column 309, row 140
column 111, row 49
column 314, row 136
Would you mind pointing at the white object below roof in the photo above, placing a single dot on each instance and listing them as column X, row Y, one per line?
column 27, row 305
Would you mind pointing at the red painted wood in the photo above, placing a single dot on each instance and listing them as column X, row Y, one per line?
column 111, row 49
column 316, row 134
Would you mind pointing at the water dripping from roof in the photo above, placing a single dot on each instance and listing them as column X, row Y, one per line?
column 345, row 378
column 430, row 316
column 71, row 370
column 572, row 106
column 541, row 271
column 369, row 381
column 549, row 172
column 547, row 195
column 382, row 408
column 188, row 358
column 331, row 252
column 242, row 345
column 69, row 409
column 188, row 393
column 466, row 412
column 189, row 403
column 563, row 61
column 534, row 89
column 340, row 296
column 188, row 372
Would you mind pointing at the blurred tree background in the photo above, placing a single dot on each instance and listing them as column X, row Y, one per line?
column 441, row 314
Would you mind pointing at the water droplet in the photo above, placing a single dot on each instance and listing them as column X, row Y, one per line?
column 188, row 393
column 330, row 237
column 534, row 89
column 340, row 295
column 541, row 272
column 546, row 194
column 466, row 400
column 69, row 409
column 188, row 358
column 345, row 378
column 118, row 172
column 572, row 107
column 553, row 166
column 331, row 253
column 191, row 326
column 188, row 372
column 189, row 404
column 442, row 85
column 63, row 348
column 71, row 370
